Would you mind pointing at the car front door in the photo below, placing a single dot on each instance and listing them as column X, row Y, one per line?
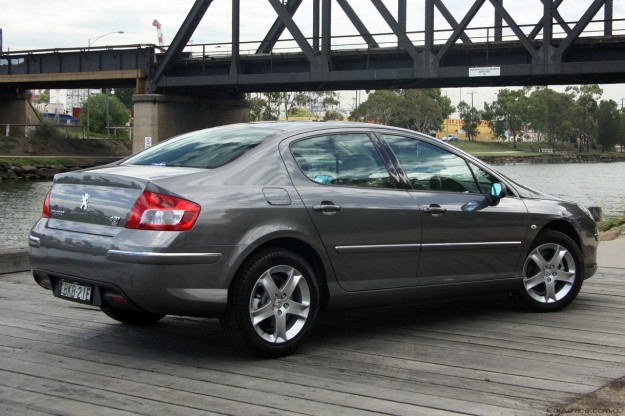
column 463, row 238
column 369, row 226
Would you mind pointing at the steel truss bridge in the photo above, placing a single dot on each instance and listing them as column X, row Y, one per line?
column 450, row 50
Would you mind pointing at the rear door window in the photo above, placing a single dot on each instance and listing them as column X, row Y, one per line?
column 343, row 159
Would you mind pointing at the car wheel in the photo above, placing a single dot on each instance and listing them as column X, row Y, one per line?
column 552, row 273
column 131, row 317
column 272, row 303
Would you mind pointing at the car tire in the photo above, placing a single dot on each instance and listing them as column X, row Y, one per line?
column 273, row 302
column 131, row 317
column 552, row 273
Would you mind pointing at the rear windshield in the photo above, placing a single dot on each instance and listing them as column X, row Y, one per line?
column 206, row 149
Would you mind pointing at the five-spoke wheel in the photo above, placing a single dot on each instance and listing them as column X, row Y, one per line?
column 279, row 304
column 272, row 303
column 552, row 273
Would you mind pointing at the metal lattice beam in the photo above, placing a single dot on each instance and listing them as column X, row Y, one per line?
column 180, row 40
column 435, row 57
column 271, row 38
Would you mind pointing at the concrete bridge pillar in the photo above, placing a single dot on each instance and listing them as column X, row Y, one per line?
column 159, row 117
column 16, row 113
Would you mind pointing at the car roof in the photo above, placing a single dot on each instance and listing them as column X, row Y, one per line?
column 307, row 126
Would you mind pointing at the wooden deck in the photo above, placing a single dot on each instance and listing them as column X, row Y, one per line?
column 479, row 356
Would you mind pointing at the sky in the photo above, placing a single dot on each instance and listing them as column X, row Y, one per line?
column 38, row 24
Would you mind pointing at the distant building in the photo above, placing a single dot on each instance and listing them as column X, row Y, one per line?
column 453, row 126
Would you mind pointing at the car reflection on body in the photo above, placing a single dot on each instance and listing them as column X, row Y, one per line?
column 265, row 225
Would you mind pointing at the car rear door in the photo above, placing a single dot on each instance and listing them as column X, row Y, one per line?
column 371, row 228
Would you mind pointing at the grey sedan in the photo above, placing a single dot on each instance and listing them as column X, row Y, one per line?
column 265, row 225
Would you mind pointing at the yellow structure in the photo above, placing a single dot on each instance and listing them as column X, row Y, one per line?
column 453, row 126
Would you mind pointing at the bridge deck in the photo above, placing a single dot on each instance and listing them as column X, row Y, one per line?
column 475, row 356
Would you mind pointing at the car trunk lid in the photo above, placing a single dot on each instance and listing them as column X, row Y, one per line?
column 99, row 201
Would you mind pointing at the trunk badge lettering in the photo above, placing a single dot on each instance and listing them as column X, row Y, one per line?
column 85, row 202
column 115, row 220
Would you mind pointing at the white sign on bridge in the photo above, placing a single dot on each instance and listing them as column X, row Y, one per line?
column 485, row 71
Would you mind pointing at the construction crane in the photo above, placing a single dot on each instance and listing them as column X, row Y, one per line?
column 157, row 25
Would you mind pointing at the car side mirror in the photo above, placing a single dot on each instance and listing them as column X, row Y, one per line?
column 497, row 191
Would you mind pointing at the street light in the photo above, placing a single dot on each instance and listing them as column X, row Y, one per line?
column 91, row 42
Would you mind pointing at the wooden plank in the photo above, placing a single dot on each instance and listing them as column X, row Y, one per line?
column 480, row 356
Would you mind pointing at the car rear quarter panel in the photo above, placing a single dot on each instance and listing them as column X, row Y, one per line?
column 245, row 205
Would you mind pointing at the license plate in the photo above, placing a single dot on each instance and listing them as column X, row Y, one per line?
column 76, row 291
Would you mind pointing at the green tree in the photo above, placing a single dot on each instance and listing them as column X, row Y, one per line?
column 381, row 106
column 298, row 112
column 551, row 112
column 44, row 97
column 94, row 113
column 321, row 103
column 125, row 96
column 610, row 125
column 471, row 119
column 424, row 110
column 333, row 115
column 585, row 124
column 496, row 123
column 510, row 113
column 259, row 109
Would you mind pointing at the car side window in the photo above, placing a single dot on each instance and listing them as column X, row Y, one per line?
column 431, row 168
column 484, row 179
column 342, row 159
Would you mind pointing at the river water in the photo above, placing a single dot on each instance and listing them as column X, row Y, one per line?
column 592, row 184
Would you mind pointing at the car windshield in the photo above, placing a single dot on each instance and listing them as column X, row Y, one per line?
column 206, row 149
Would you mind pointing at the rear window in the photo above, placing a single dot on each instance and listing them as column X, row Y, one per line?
column 206, row 149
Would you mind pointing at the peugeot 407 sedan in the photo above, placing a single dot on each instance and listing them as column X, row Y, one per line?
column 265, row 225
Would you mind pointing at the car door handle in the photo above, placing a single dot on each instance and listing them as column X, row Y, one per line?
column 435, row 209
column 326, row 206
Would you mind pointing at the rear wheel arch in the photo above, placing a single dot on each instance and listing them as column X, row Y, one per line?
column 307, row 252
column 273, row 302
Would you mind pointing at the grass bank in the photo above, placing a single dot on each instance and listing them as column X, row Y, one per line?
column 611, row 228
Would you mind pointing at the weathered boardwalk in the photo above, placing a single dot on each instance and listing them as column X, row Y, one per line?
column 479, row 356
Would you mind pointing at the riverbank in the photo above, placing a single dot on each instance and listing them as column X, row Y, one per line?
column 29, row 158
column 559, row 157
column 44, row 168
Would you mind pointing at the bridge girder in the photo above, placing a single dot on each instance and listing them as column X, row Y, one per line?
column 531, row 55
column 316, row 64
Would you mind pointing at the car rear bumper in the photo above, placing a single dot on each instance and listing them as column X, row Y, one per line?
column 170, row 279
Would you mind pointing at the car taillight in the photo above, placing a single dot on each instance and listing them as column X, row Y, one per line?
column 154, row 211
column 46, row 206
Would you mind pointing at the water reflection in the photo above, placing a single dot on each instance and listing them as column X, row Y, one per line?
column 20, row 207
column 590, row 184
